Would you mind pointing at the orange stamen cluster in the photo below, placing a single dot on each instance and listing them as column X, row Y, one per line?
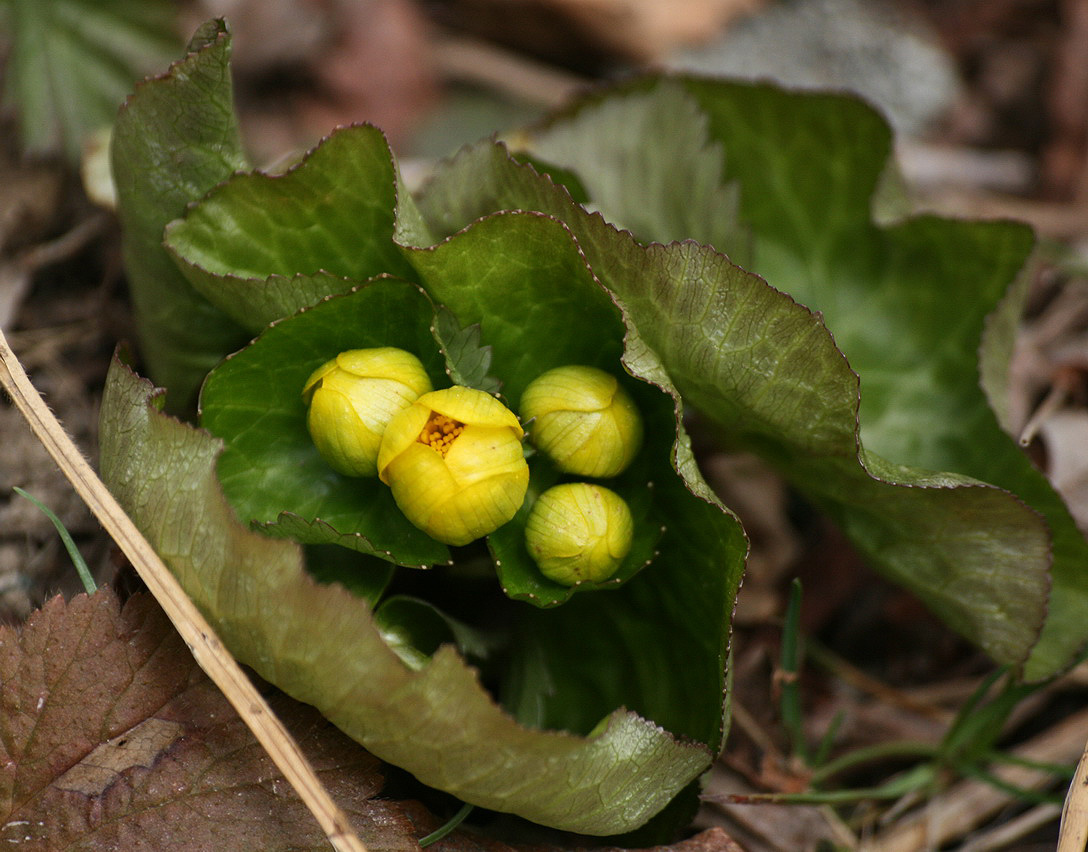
column 440, row 432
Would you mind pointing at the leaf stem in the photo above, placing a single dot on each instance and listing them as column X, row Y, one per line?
column 789, row 672
column 453, row 822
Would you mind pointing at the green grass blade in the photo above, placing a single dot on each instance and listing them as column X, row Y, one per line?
column 69, row 545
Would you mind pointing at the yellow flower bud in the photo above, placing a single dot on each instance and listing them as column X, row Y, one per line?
column 583, row 420
column 455, row 463
column 353, row 397
column 579, row 532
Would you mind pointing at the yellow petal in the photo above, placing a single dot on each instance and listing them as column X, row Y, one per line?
column 579, row 532
column 481, row 452
column 343, row 440
column 583, row 420
column 315, row 377
column 400, row 434
column 469, row 405
column 458, row 491
column 387, row 362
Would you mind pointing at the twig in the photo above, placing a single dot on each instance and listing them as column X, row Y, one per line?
column 209, row 652
column 855, row 677
column 1065, row 382
column 66, row 245
column 1073, row 833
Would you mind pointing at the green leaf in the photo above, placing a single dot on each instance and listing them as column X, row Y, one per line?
column 270, row 470
column 266, row 608
column 364, row 576
column 660, row 135
column 415, row 629
column 175, row 138
column 768, row 372
column 316, row 230
column 907, row 304
column 521, row 278
column 71, row 62
column 467, row 361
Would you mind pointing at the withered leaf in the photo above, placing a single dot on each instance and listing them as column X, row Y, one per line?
column 112, row 738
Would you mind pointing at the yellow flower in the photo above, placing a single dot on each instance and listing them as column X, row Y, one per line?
column 583, row 420
column 579, row 532
column 454, row 461
column 353, row 397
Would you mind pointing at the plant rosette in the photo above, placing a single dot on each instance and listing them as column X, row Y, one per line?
column 329, row 263
column 335, row 255
column 533, row 317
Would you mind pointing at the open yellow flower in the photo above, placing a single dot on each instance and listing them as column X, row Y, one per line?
column 579, row 532
column 353, row 397
column 583, row 420
column 454, row 461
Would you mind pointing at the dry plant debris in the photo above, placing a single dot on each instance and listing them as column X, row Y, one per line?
column 114, row 739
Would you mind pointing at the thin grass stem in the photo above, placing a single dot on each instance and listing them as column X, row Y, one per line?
column 69, row 545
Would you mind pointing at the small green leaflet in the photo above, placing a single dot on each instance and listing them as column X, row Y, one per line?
column 467, row 362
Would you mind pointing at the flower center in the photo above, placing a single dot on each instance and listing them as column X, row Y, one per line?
column 440, row 432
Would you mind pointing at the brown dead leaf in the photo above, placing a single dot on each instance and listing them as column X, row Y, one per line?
column 112, row 738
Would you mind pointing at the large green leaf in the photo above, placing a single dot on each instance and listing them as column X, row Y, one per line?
column 72, row 61
column 907, row 304
column 175, row 138
column 261, row 246
column 768, row 371
column 319, row 643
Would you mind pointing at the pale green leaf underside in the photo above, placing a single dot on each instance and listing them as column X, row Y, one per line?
column 262, row 246
column 266, row 607
column 680, row 192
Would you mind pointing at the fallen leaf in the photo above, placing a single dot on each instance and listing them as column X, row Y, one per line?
column 112, row 738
